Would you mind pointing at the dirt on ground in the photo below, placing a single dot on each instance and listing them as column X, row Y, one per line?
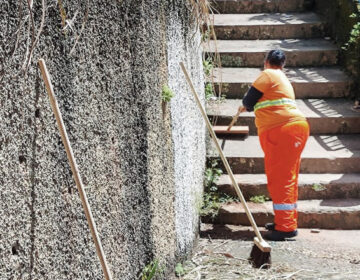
column 223, row 251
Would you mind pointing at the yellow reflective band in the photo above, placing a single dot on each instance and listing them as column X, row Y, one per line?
column 277, row 102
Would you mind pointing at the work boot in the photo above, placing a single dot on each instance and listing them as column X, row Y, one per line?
column 276, row 235
column 270, row 226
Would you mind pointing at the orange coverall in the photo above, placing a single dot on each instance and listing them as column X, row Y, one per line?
column 283, row 132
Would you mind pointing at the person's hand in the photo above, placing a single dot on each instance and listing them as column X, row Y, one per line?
column 242, row 109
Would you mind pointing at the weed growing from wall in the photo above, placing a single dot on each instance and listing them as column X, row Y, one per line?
column 213, row 198
column 179, row 270
column 151, row 270
column 209, row 91
column 352, row 49
column 208, row 66
column 167, row 94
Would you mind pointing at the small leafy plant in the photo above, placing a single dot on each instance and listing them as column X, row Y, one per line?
column 209, row 92
column 179, row 270
column 259, row 199
column 208, row 66
column 150, row 270
column 213, row 198
column 318, row 187
column 167, row 93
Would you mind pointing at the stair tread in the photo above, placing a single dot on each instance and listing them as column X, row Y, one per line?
column 263, row 19
column 304, row 179
column 303, row 206
column 311, row 108
column 317, row 147
column 255, row 46
column 257, row 6
column 295, row 75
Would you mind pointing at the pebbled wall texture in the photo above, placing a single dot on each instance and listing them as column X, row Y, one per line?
column 141, row 161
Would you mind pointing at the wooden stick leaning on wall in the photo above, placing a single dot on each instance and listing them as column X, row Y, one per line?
column 75, row 171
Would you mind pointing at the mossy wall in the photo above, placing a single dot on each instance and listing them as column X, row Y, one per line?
column 109, row 90
column 340, row 26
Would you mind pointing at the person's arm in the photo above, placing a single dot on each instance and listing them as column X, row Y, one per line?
column 251, row 98
column 257, row 90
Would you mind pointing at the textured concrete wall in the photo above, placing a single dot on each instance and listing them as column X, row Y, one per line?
column 128, row 149
column 188, row 128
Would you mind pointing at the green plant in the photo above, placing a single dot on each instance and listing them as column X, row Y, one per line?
column 167, row 94
column 212, row 175
column 208, row 66
column 150, row 270
column 259, row 199
column 209, row 92
column 318, row 187
column 206, row 35
column 351, row 50
column 213, row 198
column 179, row 270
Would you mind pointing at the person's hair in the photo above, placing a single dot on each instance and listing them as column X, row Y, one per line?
column 276, row 58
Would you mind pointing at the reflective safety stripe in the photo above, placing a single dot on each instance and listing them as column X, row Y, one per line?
column 285, row 206
column 277, row 102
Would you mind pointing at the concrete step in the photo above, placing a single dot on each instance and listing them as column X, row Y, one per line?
column 251, row 53
column 311, row 186
column 322, row 154
column 327, row 82
column 325, row 214
column 325, row 116
column 257, row 6
column 268, row 26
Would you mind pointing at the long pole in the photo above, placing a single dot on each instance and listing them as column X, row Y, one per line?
column 75, row 170
column 260, row 242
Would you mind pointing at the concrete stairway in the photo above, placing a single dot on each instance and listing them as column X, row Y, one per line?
column 329, row 183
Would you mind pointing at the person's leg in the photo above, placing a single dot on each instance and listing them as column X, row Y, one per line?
column 282, row 147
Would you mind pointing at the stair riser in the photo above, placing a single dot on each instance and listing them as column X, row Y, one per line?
column 338, row 125
column 290, row 31
column 306, row 192
column 347, row 220
column 293, row 59
column 247, row 165
column 302, row 90
column 258, row 6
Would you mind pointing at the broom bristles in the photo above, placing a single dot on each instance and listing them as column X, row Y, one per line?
column 260, row 259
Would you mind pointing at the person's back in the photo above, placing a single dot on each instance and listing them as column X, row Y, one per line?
column 277, row 105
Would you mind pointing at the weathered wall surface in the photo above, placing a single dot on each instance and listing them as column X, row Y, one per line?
column 188, row 127
column 130, row 152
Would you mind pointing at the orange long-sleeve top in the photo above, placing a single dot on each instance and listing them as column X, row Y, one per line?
column 277, row 104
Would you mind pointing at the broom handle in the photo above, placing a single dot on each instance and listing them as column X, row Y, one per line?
column 234, row 120
column 224, row 160
column 75, row 171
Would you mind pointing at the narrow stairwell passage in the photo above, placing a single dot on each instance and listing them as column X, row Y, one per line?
column 329, row 181
column 321, row 89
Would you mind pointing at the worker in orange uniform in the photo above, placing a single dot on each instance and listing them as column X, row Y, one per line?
column 283, row 132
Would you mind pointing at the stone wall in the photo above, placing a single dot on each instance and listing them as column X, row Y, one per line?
column 141, row 162
column 340, row 25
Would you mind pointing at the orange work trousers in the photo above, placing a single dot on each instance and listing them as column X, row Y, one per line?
column 282, row 147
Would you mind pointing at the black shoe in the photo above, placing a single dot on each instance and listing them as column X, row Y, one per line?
column 276, row 235
column 270, row 226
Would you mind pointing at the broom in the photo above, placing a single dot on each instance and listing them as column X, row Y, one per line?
column 260, row 255
column 231, row 129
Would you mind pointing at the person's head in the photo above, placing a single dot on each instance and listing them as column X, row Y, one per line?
column 275, row 59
